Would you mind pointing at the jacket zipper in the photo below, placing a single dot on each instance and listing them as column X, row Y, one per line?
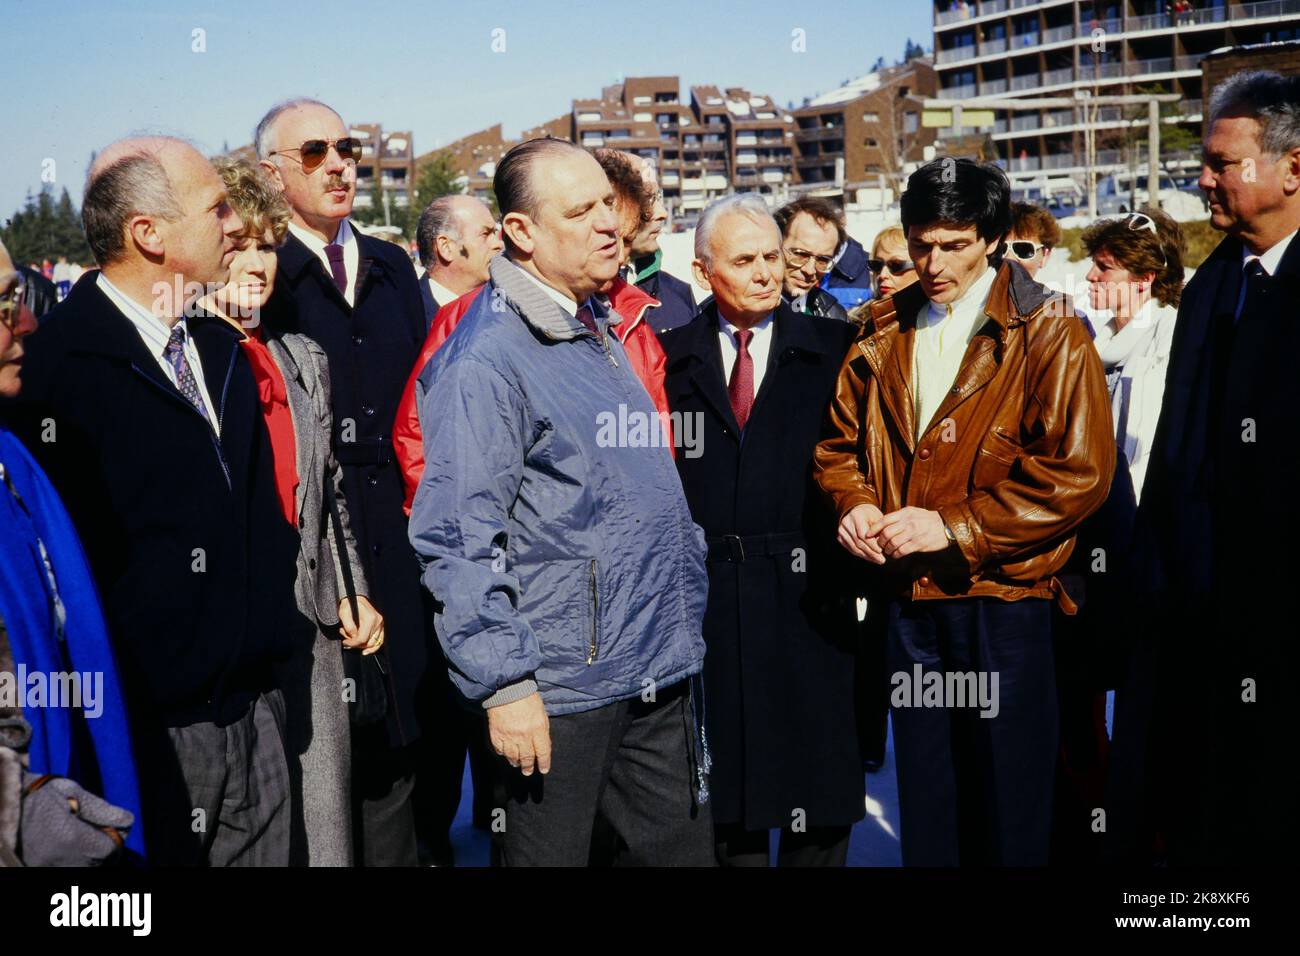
column 609, row 354
column 595, row 614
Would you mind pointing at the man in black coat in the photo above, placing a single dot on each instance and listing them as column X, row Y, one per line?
column 145, row 414
column 1204, row 728
column 751, row 380
column 359, row 298
column 645, row 267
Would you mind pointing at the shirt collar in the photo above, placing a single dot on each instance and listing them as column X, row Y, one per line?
column 1272, row 257
column 971, row 302
column 155, row 331
column 315, row 243
column 440, row 292
column 725, row 327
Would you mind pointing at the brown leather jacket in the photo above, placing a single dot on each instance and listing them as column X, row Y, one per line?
column 1018, row 454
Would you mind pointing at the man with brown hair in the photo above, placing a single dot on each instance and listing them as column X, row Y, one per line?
column 811, row 231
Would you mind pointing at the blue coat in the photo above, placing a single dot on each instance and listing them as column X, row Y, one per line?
column 558, row 545
column 676, row 298
column 849, row 280
column 26, row 611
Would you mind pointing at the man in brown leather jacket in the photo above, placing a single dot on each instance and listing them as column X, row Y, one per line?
column 970, row 434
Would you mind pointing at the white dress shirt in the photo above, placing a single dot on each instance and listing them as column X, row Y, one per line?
column 555, row 295
column 1270, row 260
column 760, row 346
column 441, row 294
column 942, row 334
column 155, row 334
column 351, row 255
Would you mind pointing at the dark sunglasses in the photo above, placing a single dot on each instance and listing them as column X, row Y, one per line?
column 1023, row 249
column 896, row 266
column 313, row 152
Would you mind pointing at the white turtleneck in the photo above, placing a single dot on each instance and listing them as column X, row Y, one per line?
column 942, row 334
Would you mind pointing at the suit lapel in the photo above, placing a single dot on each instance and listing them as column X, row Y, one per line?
column 706, row 372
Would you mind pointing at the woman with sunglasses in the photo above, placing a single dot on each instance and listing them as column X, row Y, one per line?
column 891, row 267
column 1136, row 277
column 293, row 382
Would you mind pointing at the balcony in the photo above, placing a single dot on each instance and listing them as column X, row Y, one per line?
column 954, row 15
column 1252, row 11
column 992, row 6
column 955, row 54
column 1059, row 161
column 1026, row 82
column 956, row 92
column 1057, row 34
column 1024, row 122
column 1024, row 40
column 1100, row 71
column 993, row 46
column 1064, row 75
column 822, row 132
column 993, row 87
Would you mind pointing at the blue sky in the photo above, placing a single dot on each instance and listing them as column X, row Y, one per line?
column 89, row 71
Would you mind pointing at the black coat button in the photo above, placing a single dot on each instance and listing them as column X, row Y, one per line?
column 367, row 410
column 311, row 563
column 372, row 480
column 358, row 339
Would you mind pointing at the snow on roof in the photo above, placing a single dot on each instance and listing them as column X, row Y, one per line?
column 849, row 91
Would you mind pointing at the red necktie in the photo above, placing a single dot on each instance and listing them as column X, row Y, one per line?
column 587, row 318
column 741, row 387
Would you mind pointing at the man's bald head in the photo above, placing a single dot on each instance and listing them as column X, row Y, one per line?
column 130, row 177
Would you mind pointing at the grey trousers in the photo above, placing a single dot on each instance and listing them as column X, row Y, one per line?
column 632, row 764
column 237, row 779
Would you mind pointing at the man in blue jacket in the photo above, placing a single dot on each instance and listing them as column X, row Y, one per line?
column 556, row 540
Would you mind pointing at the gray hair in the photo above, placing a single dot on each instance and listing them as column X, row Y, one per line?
column 133, row 185
column 1270, row 98
column 746, row 204
column 262, row 134
column 438, row 219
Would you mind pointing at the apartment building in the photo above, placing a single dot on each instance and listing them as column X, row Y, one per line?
column 856, row 143
column 388, row 156
column 1075, row 48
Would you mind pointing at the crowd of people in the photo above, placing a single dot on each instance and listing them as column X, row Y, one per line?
column 290, row 531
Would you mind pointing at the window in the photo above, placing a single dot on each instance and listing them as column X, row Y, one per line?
column 911, row 122
column 871, row 117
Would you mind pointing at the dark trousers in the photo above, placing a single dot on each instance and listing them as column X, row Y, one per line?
column 975, row 790
column 383, row 823
column 219, row 796
column 816, row 846
column 440, row 772
column 633, row 764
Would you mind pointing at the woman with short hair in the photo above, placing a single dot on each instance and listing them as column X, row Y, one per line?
column 292, row 375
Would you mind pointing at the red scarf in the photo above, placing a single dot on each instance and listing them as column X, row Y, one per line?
column 279, row 423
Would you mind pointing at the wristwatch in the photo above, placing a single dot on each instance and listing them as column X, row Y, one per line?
column 948, row 531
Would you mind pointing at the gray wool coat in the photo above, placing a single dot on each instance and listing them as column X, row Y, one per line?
column 317, row 732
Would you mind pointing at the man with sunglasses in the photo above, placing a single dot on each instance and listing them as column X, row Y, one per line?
column 811, row 231
column 359, row 298
column 969, row 437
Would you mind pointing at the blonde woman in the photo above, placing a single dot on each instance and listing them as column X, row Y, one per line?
column 293, row 381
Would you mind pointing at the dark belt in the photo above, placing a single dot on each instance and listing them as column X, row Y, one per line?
column 735, row 549
column 364, row 451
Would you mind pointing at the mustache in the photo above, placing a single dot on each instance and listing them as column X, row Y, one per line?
column 336, row 181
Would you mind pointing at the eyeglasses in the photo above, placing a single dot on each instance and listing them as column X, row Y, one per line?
column 1140, row 220
column 896, row 266
column 314, row 151
column 798, row 258
column 11, row 301
column 1023, row 249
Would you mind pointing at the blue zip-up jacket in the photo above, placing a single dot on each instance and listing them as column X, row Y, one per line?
column 550, row 522
column 848, row 280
